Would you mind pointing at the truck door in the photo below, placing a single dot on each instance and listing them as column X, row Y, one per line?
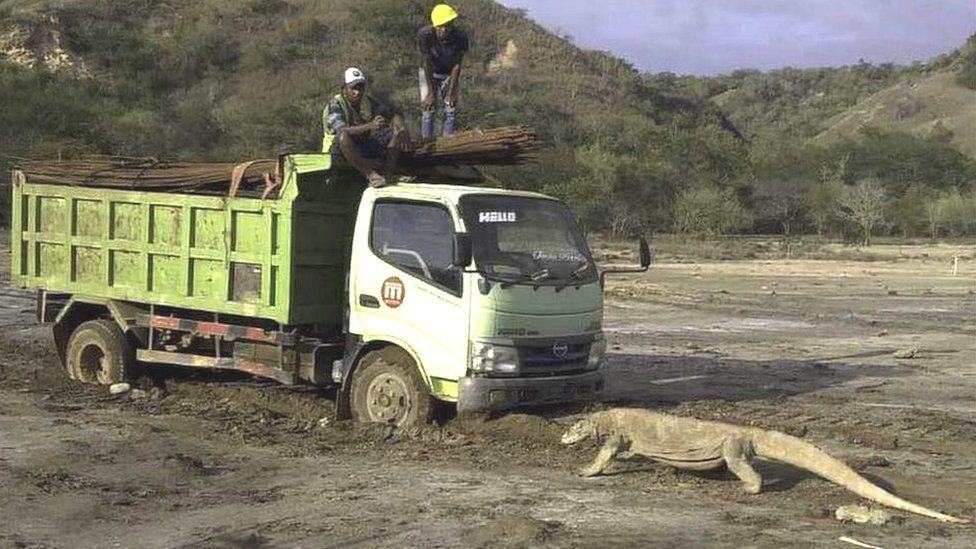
column 405, row 289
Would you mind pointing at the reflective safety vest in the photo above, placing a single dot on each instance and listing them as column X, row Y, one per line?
column 365, row 114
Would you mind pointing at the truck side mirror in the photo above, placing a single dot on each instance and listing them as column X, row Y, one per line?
column 645, row 253
column 645, row 263
column 462, row 250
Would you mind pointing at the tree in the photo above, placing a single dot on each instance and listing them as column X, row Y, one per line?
column 907, row 213
column 589, row 193
column 863, row 205
column 708, row 210
column 821, row 197
column 953, row 213
column 781, row 201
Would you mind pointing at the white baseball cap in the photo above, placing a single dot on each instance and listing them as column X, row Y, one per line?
column 354, row 76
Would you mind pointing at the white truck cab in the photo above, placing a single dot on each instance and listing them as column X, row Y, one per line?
column 491, row 295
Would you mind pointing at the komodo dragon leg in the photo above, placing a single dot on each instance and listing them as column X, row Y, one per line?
column 737, row 451
column 603, row 459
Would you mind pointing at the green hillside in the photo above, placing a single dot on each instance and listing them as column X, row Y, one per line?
column 932, row 105
column 238, row 79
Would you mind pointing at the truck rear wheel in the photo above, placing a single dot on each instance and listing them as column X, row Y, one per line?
column 98, row 353
column 387, row 388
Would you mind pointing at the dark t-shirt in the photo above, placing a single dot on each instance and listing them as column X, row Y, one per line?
column 446, row 53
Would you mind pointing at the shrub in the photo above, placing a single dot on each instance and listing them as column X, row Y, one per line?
column 707, row 210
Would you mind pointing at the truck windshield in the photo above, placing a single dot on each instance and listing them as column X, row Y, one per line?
column 526, row 240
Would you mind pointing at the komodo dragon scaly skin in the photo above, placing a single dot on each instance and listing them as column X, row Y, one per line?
column 692, row 444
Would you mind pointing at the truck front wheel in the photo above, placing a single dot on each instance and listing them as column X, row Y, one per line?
column 98, row 353
column 387, row 388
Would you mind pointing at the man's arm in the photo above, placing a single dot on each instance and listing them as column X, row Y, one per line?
column 335, row 120
column 423, row 44
column 454, row 84
column 401, row 136
column 374, row 124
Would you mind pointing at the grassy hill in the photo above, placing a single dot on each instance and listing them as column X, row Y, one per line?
column 794, row 102
column 229, row 79
column 932, row 105
column 244, row 78
column 238, row 79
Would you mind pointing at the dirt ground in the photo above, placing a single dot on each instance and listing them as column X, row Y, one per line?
column 805, row 346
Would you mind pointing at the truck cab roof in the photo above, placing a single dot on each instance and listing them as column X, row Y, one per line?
column 451, row 193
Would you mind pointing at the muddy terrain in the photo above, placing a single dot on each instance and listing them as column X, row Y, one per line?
column 806, row 346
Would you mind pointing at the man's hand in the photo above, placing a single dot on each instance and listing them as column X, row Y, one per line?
column 378, row 122
column 400, row 141
column 429, row 100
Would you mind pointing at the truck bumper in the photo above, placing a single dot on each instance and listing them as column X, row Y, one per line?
column 479, row 394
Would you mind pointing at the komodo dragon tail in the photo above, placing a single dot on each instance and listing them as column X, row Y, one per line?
column 791, row 450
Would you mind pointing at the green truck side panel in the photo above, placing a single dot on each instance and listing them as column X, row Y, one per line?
column 282, row 259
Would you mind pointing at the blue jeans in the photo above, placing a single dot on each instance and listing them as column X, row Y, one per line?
column 441, row 85
column 372, row 146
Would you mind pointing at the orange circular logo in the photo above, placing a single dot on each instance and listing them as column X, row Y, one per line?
column 393, row 292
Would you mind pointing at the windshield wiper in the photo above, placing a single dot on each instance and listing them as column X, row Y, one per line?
column 573, row 276
column 504, row 282
column 540, row 275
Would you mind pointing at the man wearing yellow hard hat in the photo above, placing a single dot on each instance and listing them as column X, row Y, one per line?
column 442, row 46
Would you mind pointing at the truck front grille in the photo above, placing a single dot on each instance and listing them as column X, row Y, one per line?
column 541, row 361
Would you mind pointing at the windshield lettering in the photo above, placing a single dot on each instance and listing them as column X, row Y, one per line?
column 497, row 217
column 572, row 256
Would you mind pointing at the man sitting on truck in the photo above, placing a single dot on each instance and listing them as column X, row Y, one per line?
column 363, row 130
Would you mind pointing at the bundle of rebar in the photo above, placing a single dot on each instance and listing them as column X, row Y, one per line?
column 147, row 174
column 497, row 146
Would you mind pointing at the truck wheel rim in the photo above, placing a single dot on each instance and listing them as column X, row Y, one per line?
column 388, row 399
column 91, row 362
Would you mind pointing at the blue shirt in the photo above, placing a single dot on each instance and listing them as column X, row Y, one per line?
column 444, row 53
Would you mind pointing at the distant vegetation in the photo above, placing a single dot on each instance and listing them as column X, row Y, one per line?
column 783, row 151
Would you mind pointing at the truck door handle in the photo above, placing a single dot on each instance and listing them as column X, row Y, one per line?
column 369, row 301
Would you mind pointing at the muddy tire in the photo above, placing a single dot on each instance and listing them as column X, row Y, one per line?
column 387, row 388
column 98, row 353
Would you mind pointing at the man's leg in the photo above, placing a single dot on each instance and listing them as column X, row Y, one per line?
column 427, row 117
column 450, row 119
column 350, row 151
column 427, row 124
column 380, row 146
column 450, row 111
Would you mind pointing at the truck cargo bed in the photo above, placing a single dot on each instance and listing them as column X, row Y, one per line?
column 281, row 259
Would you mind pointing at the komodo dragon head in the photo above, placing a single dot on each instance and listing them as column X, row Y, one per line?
column 581, row 430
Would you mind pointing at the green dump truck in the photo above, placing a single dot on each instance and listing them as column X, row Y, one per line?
column 398, row 296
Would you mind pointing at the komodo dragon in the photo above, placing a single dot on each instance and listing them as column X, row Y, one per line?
column 688, row 443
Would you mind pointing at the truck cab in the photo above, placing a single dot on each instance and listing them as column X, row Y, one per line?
column 492, row 295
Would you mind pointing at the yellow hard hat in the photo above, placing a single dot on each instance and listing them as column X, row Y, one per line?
column 442, row 14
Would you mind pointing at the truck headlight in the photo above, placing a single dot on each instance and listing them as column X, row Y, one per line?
column 488, row 357
column 598, row 351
